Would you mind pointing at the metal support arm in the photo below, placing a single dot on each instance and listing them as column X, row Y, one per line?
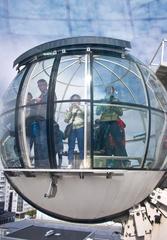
column 52, row 187
column 148, row 221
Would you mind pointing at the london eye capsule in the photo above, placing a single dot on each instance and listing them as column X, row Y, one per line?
column 83, row 129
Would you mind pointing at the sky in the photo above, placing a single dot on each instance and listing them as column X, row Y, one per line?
column 27, row 23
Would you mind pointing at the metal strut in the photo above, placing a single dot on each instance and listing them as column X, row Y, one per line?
column 148, row 221
column 52, row 187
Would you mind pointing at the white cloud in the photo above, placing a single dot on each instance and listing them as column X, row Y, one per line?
column 24, row 24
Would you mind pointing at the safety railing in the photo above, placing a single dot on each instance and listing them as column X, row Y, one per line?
column 160, row 55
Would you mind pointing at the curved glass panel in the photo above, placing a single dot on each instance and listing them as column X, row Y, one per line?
column 121, row 74
column 163, row 149
column 156, row 91
column 157, row 88
column 32, row 117
column 73, row 149
column 120, row 136
column 40, row 70
column 33, row 137
column 101, row 117
column 8, row 100
column 61, row 144
column 71, row 77
column 8, row 147
column 157, row 147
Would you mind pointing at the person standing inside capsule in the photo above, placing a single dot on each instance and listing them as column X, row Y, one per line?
column 112, row 134
column 43, row 87
column 58, row 138
column 75, row 116
column 29, row 120
column 39, row 125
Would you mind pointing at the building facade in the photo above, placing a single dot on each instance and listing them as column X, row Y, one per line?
column 14, row 203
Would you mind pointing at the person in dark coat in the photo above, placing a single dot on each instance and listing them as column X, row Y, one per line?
column 58, row 139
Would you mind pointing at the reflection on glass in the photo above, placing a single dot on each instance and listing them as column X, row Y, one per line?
column 8, row 147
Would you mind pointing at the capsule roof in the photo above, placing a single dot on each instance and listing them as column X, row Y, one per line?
column 77, row 42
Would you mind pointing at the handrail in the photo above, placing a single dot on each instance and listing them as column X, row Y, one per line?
column 162, row 47
column 66, row 170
